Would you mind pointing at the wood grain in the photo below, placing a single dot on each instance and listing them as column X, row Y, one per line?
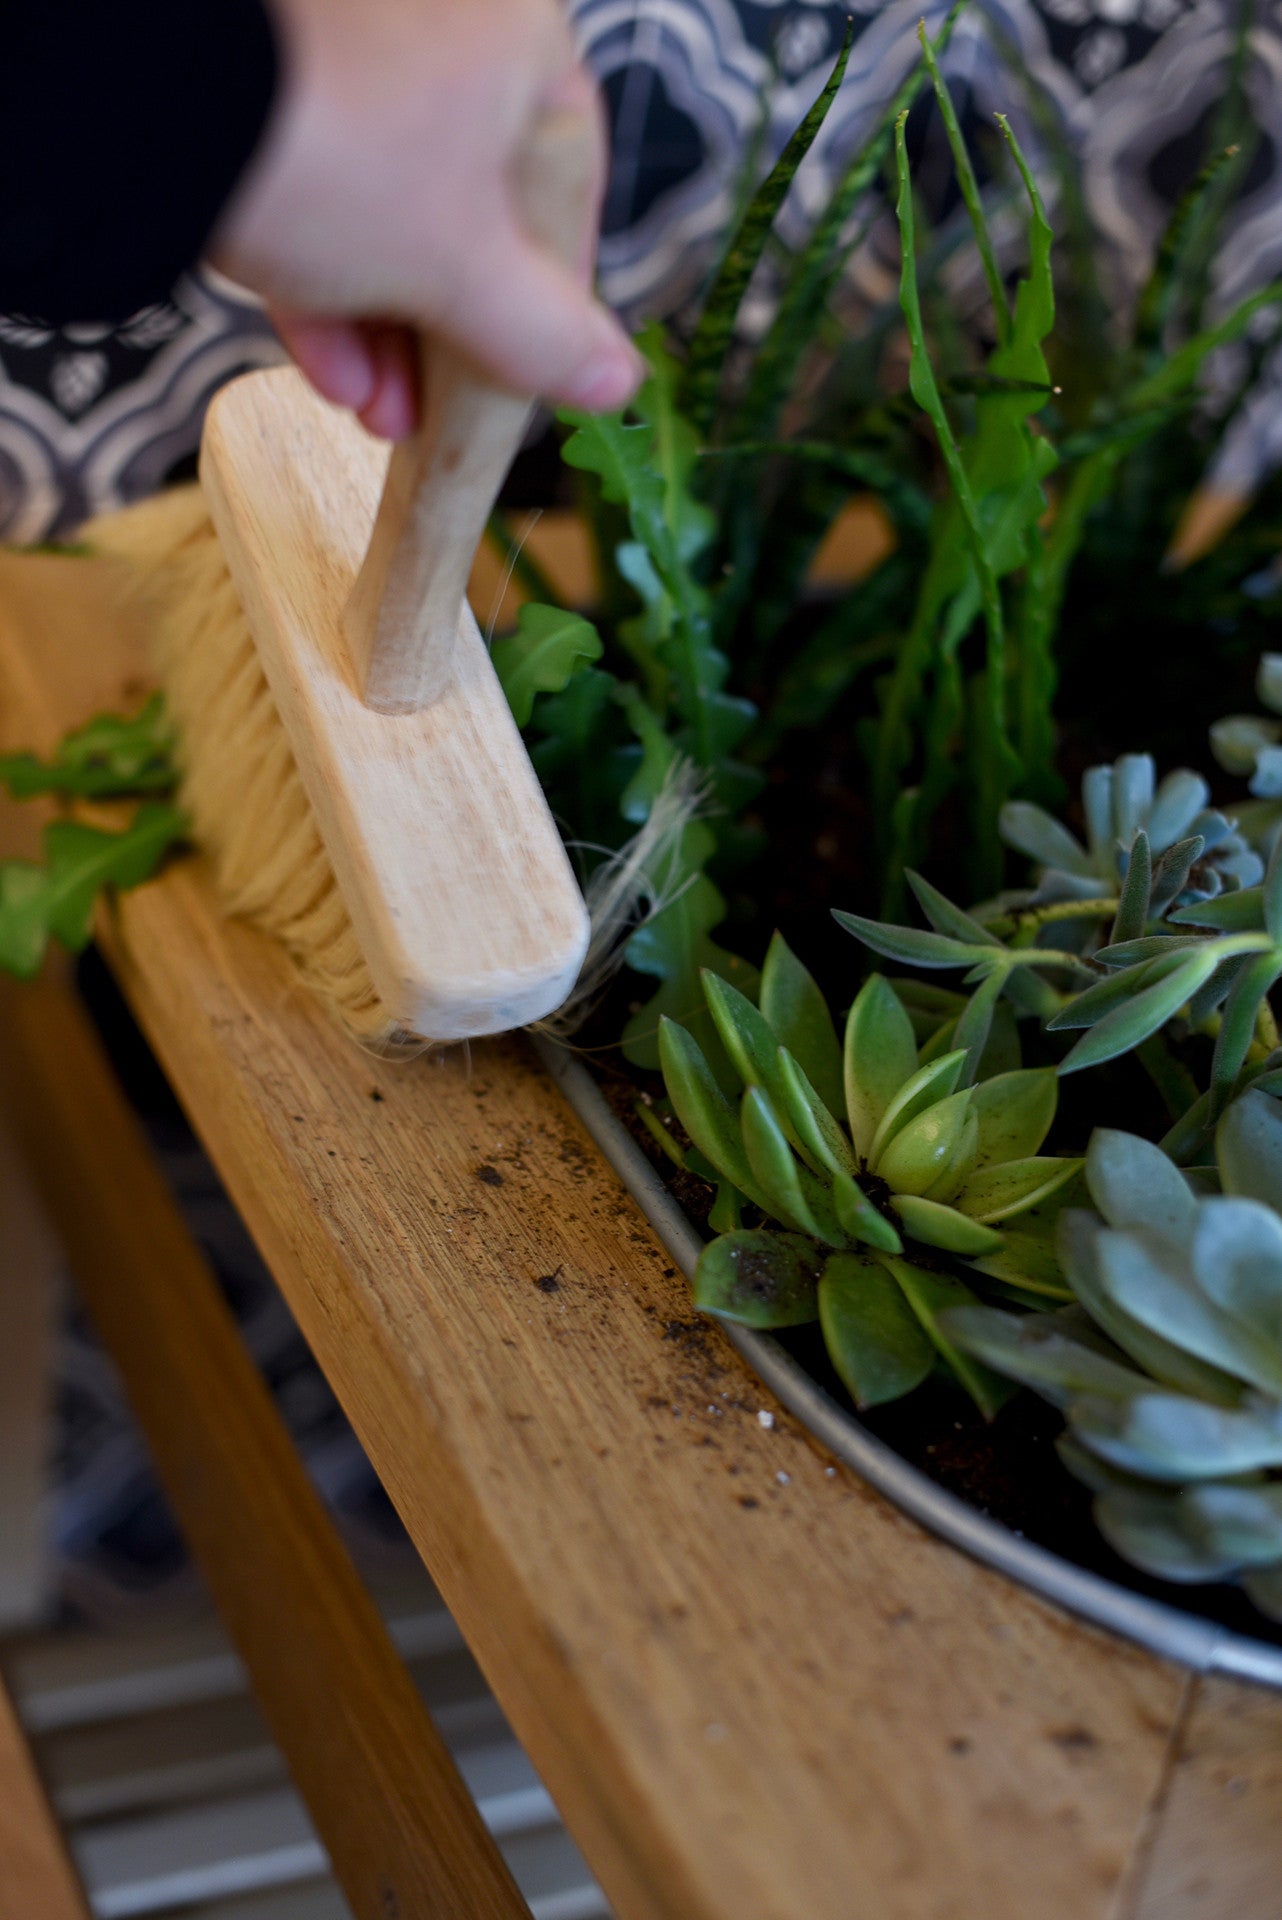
column 37, row 1879
column 400, row 1827
column 1215, row 1852
column 754, row 1689
column 447, row 859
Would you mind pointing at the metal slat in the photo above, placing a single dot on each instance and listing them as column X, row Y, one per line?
column 77, row 1678
column 247, row 1844
column 179, row 1805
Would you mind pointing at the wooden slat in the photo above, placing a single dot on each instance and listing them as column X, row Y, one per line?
column 1215, row 1852
column 752, row 1688
column 37, row 1881
column 31, row 1285
column 399, row 1825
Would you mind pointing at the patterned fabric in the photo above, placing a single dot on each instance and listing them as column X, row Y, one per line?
column 91, row 418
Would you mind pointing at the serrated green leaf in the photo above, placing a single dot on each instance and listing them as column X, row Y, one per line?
column 880, row 1055
column 759, row 1278
column 969, row 186
column 56, row 901
column 797, row 1014
column 874, row 1339
column 815, row 274
column 715, row 331
column 675, row 941
column 110, row 756
column 548, row 648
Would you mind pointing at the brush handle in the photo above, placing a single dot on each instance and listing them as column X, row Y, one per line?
column 401, row 619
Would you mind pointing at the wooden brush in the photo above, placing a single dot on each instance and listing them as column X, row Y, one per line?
column 348, row 758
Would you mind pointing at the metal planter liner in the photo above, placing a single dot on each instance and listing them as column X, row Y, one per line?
column 1165, row 1629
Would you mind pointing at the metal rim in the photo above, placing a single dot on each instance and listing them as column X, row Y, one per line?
column 1164, row 1629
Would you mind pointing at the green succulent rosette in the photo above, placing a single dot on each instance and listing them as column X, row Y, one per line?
column 890, row 1182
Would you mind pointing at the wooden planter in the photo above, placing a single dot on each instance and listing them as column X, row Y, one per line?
column 753, row 1687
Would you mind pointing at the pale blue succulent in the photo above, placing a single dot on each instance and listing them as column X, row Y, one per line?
column 1208, row 855
column 1250, row 744
column 1169, row 1368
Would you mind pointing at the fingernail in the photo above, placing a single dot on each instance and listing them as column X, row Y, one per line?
column 606, row 380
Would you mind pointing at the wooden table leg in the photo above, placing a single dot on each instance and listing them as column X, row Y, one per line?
column 37, row 1879
column 31, row 1269
column 403, row 1834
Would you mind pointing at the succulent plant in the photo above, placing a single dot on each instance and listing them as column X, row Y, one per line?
column 1198, row 851
column 1205, row 967
column 882, row 1176
column 1250, row 744
column 1169, row 1365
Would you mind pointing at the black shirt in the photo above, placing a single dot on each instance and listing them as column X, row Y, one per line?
column 126, row 125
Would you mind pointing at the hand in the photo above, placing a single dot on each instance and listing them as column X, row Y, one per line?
column 381, row 201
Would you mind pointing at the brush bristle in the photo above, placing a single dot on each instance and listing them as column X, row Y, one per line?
column 239, row 781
